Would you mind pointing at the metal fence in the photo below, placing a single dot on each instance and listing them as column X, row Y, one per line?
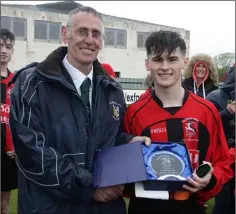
column 136, row 84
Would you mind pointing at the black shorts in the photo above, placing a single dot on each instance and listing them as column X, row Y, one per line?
column 9, row 173
column 152, row 206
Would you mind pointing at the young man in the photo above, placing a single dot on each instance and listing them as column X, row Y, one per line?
column 8, row 165
column 63, row 111
column 224, row 100
column 172, row 114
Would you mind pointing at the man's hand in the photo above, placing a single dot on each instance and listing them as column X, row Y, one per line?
column 199, row 183
column 146, row 140
column 231, row 108
column 108, row 193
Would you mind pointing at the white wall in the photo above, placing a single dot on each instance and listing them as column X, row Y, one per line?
column 129, row 61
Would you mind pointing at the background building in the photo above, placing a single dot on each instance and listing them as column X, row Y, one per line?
column 37, row 30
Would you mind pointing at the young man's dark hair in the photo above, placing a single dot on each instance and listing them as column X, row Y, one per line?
column 161, row 41
column 169, row 113
column 6, row 34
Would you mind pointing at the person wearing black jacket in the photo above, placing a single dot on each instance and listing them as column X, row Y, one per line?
column 224, row 101
column 64, row 109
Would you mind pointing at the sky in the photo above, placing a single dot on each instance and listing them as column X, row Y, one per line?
column 211, row 23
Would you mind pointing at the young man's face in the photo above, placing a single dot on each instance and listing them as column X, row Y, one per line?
column 6, row 51
column 166, row 70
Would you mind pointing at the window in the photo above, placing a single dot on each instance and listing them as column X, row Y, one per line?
column 115, row 37
column 16, row 25
column 141, row 39
column 49, row 31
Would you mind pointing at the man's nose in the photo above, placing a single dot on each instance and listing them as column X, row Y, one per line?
column 165, row 65
column 3, row 49
column 89, row 38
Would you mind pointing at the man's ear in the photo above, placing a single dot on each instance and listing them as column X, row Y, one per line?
column 64, row 34
column 147, row 64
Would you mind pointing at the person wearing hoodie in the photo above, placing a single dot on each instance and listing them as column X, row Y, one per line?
column 201, row 76
column 224, row 100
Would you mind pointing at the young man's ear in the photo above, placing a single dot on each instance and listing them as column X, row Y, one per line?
column 186, row 61
column 147, row 64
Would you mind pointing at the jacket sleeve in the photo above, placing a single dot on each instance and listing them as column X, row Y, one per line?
column 123, row 136
column 36, row 159
column 129, row 188
column 224, row 114
column 219, row 156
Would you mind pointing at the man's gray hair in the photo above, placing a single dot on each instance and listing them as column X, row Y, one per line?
column 81, row 9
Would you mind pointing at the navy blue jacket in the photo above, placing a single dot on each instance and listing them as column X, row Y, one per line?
column 55, row 141
column 219, row 98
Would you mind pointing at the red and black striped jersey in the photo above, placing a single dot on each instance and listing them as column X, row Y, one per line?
column 196, row 123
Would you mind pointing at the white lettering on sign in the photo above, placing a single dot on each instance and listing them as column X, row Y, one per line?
column 132, row 96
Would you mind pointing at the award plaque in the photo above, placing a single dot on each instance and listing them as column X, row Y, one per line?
column 165, row 163
column 162, row 166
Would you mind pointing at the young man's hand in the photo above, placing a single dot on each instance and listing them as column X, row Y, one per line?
column 231, row 108
column 146, row 140
column 106, row 194
column 198, row 183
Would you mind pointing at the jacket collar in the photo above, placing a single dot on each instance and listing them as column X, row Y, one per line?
column 52, row 67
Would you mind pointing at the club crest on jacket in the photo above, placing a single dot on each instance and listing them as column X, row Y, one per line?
column 115, row 110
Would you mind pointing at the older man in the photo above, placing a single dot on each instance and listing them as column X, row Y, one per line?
column 64, row 110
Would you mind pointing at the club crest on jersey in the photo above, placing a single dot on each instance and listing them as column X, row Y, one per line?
column 190, row 127
column 115, row 110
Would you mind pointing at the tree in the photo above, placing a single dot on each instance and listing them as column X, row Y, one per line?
column 224, row 60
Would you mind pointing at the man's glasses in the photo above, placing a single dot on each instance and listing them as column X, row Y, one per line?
column 83, row 32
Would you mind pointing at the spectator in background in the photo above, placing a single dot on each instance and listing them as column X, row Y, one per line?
column 201, row 76
column 109, row 70
column 224, row 100
column 8, row 166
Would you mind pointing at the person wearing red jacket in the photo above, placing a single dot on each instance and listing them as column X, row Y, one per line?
column 8, row 165
column 108, row 68
column 172, row 114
